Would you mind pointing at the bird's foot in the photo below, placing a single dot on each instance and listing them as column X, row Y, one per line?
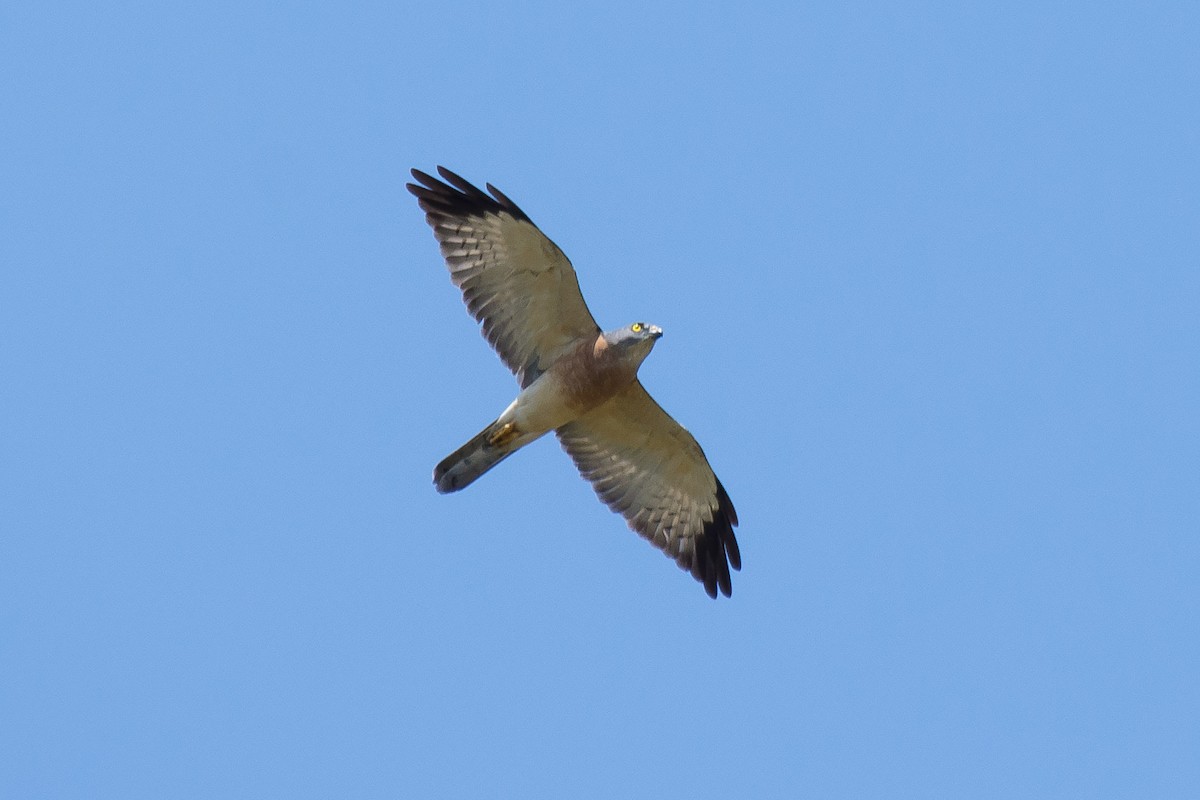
column 507, row 432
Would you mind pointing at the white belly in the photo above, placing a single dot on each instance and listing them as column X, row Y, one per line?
column 540, row 407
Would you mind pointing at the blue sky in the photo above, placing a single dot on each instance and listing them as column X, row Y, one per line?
column 929, row 279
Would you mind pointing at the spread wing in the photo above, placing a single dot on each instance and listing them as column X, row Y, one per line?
column 514, row 280
column 647, row 467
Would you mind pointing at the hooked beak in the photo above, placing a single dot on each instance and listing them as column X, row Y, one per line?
column 656, row 331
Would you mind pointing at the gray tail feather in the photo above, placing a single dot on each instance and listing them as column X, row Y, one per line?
column 462, row 467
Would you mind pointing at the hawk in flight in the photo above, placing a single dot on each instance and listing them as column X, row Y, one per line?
column 576, row 380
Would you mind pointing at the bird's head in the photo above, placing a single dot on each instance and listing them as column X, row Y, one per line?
column 633, row 341
column 637, row 336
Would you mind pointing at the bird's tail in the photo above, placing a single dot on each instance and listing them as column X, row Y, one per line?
column 485, row 450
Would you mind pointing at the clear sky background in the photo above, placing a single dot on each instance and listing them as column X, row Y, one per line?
column 930, row 280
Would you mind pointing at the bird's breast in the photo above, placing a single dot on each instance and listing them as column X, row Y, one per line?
column 575, row 384
column 590, row 375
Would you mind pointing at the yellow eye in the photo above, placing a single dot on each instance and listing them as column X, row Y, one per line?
column 636, row 327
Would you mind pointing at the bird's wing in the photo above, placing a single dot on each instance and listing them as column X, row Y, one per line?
column 513, row 279
column 647, row 467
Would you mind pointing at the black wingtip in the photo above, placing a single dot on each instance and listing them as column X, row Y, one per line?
column 717, row 549
column 454, row 195
column 726, row 510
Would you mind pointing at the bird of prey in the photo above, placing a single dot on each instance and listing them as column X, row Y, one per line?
column 576, row 380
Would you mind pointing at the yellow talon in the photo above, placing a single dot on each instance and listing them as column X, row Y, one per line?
column 506, row 434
